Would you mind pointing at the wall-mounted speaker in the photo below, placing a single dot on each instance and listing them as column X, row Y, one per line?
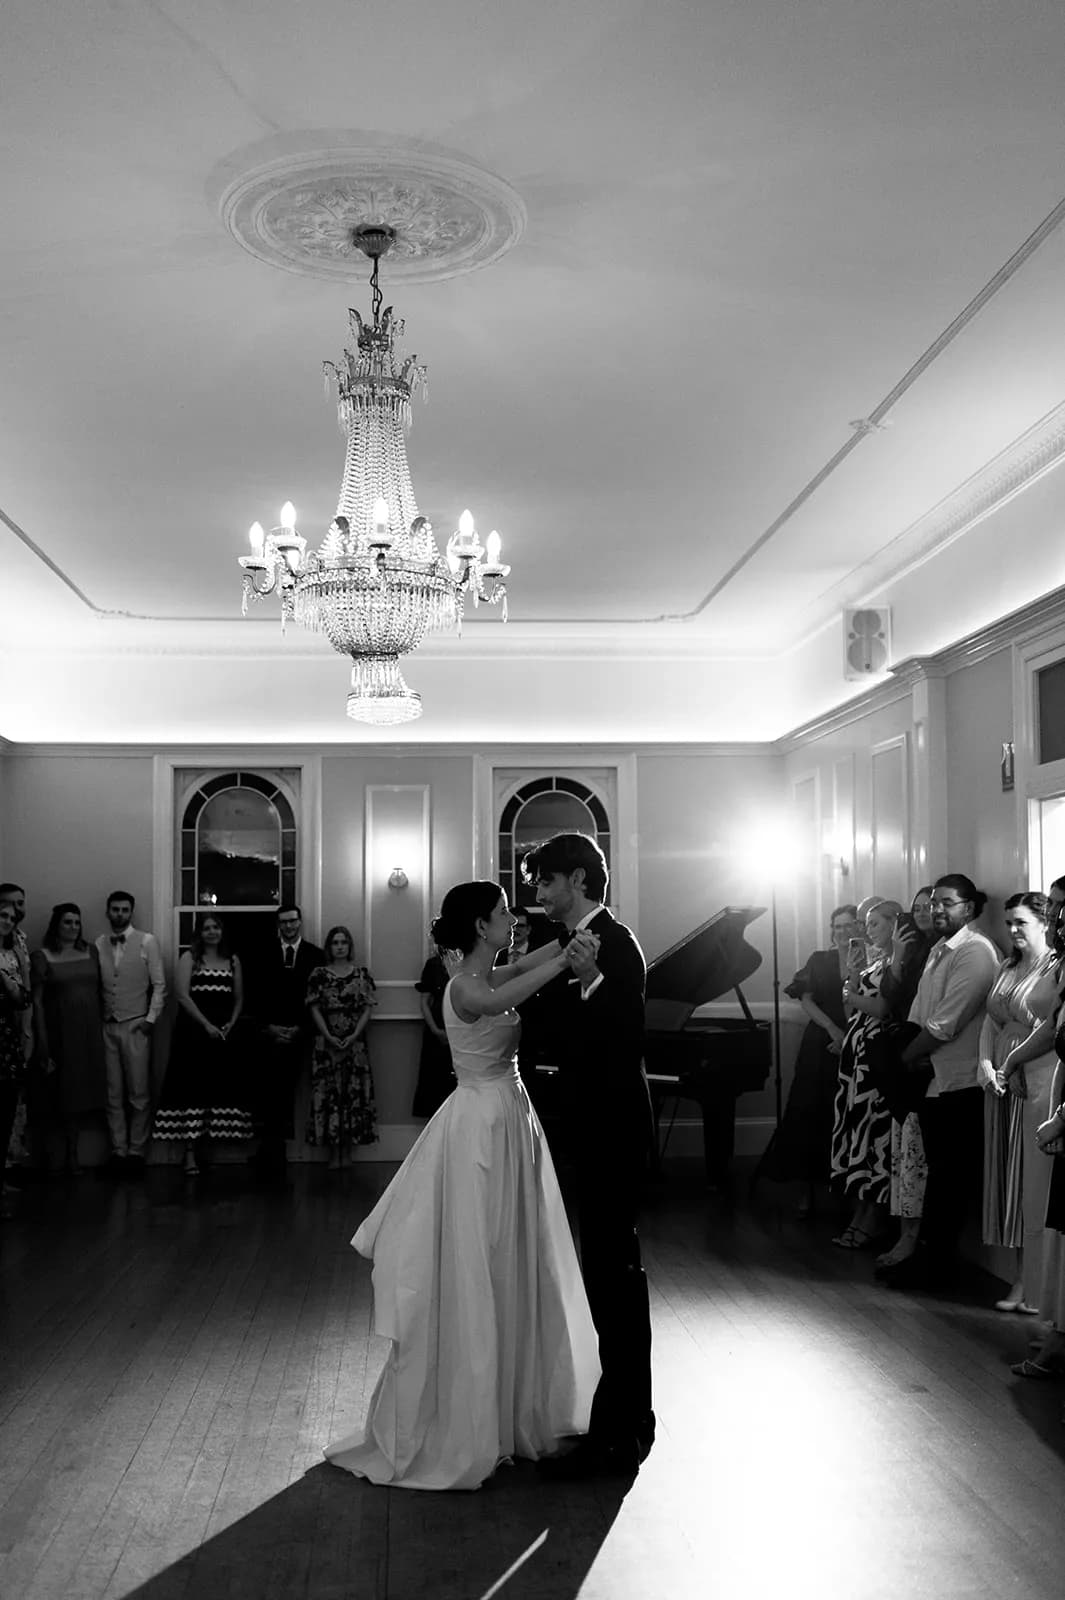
column 866, row 642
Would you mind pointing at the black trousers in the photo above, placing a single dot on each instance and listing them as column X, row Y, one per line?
column 278, row 1072
column 9, row 1094
column 952, row 1126
column 609, row 1173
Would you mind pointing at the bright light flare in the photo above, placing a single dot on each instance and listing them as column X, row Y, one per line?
column 768, row 850
column 288, row 516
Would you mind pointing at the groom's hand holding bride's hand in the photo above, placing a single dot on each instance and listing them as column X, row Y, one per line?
column 581, row 953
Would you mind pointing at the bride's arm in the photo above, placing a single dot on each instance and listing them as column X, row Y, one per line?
column 514, row 969
column 478, row 997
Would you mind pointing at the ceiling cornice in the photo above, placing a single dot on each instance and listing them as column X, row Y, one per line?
column 520, row 755
column 1027, row 622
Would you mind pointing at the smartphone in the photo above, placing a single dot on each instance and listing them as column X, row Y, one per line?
column 904, row 923
column 855, row 951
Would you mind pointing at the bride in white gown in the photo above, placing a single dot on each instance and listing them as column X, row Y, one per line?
column 475, row 1276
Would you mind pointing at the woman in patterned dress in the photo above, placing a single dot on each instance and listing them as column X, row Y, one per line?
column 205, row 1092
column 1016, row 1175
column 341, row 997
column 14, row 998
column 861, row 1133
column 910, row 950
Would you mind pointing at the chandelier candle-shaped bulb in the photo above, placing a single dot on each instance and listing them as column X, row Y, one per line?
column 288, row 516
column 257, row 539
column 493, row 549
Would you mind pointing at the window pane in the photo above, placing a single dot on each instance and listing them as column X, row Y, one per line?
column 536, row 786
column 1050, row 693
column 550, row 813
column 239, row 850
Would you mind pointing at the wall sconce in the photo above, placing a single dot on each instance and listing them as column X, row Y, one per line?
column 397, row 878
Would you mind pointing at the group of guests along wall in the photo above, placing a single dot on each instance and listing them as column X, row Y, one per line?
column 263, row 1048
column 930, row 1091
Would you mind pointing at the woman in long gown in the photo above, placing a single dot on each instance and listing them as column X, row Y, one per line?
column 1016, row 1175
column 68, row 1025
column 801, row 1147
column 475, row 1276
column 341, row 998
column 205, row 1092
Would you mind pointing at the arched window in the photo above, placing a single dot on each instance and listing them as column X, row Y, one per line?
column 541, row 807
column 237, row 851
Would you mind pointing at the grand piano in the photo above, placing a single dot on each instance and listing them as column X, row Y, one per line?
column 710, row 1060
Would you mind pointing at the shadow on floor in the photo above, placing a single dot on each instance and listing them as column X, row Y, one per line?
column 333, row 1537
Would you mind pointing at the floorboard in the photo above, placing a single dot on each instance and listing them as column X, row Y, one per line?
column 173, row 1357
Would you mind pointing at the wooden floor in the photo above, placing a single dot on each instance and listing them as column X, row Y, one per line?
column 173, row 1358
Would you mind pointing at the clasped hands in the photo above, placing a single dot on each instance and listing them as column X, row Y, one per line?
column 580, row 956
column 1050, row 1135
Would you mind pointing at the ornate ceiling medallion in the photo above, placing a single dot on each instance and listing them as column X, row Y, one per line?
column 295, row 201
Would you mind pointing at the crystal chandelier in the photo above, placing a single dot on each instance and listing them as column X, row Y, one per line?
column 377, row 583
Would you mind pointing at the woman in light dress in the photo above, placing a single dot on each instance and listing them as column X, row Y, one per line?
column 475, row 1277
column 1016, row 1177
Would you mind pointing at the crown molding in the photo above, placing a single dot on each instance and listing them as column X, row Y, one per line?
column 1017, row 627
column 227, row 752
column 1016, row 467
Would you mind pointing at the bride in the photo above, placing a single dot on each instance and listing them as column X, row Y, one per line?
column 475, row 1276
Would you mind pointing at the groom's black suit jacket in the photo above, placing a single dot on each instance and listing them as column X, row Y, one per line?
column 598, row 1042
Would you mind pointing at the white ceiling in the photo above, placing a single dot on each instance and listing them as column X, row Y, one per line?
column 746, row 222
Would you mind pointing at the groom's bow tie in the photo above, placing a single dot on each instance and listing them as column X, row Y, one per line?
column 565, row 936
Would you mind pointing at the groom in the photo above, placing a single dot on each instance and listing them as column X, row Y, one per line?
column 593, row 1020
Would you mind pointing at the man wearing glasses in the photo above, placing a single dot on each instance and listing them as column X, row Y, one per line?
column 947, row 1012
column 280, row 1008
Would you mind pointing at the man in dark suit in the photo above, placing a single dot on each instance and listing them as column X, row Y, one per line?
column 594, row 1019
column 279, row 1008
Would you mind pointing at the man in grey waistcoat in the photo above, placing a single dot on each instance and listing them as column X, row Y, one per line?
column 134, row 992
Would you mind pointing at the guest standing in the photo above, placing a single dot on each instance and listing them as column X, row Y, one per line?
column 68, row 1026
column 948, row 1012
column 1017, row 1098
column 134, row 992
column 341, row 997
column 861, row 1133
column 436, row 1078
column 910, row 948
column 801, row 1147
column 205, row 1093
column 279, row 1007
column 596, row 1025
column 14, row 997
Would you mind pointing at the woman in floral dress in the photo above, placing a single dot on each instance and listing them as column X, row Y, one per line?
column 14, row 998
column 341, row 997
column 861, row 1134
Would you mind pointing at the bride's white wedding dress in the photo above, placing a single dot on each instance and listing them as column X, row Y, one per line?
column 476, row 1282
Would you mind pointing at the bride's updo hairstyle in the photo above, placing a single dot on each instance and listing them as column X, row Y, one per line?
column 464, row 906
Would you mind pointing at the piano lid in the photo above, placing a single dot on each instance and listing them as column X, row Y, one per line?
column 708, row 962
